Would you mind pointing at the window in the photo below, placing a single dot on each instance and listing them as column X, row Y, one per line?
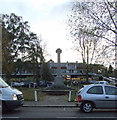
column 95, row 90
column 101, row 82
column 110, row 90
column 63, row 68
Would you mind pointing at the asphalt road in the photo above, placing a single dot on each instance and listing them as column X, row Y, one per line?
column 58, row 112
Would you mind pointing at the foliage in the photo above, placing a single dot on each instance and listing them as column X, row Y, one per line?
column 46, row 72
column 35, row 55
column 20, row 45
column 19, row 31
column 14, row 39
column 7, row 56
column 28, row 94
column 110, row 71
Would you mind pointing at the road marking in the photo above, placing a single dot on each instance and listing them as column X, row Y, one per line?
column 9, row 117
column 67, row 117
column 83, row 117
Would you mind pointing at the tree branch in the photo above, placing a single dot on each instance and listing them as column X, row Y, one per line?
column 110, row 14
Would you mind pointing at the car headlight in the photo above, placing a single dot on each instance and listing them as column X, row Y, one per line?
column 15, row 97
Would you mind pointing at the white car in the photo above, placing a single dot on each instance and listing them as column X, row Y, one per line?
column 102, row 82
column 98, row 96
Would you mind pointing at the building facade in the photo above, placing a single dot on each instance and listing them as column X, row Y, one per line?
column 70, row 70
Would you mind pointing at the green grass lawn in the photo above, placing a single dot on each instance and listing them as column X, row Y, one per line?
column 28, row 94
column 73, row 96
column 73, row 93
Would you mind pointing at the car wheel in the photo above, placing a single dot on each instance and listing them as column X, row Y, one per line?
column 87, row 107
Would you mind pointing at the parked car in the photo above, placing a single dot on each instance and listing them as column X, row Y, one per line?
column 11, row 98
column 50, row 83
column 32, row 84
column 98, row 96
column 15, row 84
column 42, row 84
column 22, row 84
column 92, row 81
column 102, row 82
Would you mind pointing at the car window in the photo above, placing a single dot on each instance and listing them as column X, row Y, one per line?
column 95, row 90
column 110, row 90
column 101, row 82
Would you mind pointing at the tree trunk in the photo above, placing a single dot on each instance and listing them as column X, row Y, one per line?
column 87, row 65
column 116, row 43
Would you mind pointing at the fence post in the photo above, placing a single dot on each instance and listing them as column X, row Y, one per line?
column 35, row 95
column 11, row 84
column 34, row 85
column 69, row 96
column 29, row 85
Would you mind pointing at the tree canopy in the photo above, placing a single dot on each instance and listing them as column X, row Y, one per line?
column 18, row 42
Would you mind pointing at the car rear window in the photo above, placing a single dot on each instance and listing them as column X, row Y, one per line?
column 95, row 90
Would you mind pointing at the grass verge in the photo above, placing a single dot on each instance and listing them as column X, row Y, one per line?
column 28, row 94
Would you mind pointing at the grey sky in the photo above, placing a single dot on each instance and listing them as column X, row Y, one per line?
column 48, row 19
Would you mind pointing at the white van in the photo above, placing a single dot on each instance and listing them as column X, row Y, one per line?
column 11, row 98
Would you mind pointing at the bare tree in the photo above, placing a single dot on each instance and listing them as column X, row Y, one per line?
column 93, row 24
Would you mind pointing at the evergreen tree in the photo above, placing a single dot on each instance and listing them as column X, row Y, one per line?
column 46, row 72
column 110, row 71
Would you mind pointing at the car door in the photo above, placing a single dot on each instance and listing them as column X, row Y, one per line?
column 110, row 97
column 96, row 95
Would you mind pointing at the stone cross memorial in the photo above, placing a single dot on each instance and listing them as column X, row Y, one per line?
column 58, row 79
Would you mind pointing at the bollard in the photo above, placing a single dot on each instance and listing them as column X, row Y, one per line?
column 35, row 95
column 34, row 85
column 69, row 96
column 29, row 85
column 11, row 84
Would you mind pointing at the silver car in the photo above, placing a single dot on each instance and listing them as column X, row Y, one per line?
column 96, row 96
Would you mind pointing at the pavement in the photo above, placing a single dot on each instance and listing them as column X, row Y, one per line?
column 50, row 101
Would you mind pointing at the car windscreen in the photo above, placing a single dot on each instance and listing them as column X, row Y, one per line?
column 2, row 83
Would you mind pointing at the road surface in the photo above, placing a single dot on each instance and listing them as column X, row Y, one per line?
column 58, row 112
